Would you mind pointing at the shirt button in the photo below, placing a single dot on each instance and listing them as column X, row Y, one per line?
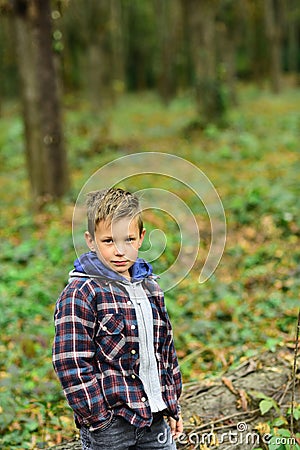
column 133, row 376
column 129, row 302
column 143, row 399
column 104, row 328
column 133, row 327
column 133, row 351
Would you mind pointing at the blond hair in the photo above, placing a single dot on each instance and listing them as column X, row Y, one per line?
column 111, row 204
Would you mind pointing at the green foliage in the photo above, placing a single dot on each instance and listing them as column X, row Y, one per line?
column 250, row 303
column 266, row 403
column 281, row 439
column 279, row 436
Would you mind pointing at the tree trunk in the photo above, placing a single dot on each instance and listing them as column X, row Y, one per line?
column 229, row 30
column 293, row 31
column 227, row 51
column 98, row 82
column 118, row 47
column 273, row 32
column 259, row 47
column 97, row 59
column 187, row 72
column 46, row 156
column 166, row 22
column 202, row 14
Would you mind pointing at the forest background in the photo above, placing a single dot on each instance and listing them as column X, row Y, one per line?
column 83, row 83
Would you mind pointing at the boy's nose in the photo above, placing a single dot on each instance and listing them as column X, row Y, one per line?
column 119, row 250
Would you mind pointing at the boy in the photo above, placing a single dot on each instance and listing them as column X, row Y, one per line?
column 113, row 349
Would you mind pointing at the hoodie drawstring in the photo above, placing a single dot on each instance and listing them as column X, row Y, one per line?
column 113, row 296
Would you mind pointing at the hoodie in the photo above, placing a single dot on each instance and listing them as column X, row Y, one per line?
column 89, row 264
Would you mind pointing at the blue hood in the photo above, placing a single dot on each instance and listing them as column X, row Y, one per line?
column 89, row 264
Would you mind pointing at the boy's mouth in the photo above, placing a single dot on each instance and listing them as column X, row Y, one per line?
column 119, row 263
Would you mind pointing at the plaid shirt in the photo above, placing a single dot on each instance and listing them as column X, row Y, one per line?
column 96, row 352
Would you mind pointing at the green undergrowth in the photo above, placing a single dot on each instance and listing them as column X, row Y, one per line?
column 249, row 304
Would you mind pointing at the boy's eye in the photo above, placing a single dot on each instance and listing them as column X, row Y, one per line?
column 107, row 241
column 130, row 239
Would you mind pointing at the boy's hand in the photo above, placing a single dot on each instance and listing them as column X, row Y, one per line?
column 176, row 426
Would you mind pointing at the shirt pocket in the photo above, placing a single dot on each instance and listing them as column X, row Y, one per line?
column 110, row 336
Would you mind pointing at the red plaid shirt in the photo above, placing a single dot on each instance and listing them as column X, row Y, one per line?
column 96, row 352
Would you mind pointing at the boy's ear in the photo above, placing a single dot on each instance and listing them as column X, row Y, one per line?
column 89, row 241
column 142, row 237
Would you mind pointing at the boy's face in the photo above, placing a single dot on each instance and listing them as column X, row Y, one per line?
column 116, row 244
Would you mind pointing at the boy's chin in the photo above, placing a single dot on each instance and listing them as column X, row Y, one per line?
column 124, row 273
column 121, row 269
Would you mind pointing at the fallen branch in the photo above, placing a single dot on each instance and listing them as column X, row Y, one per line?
column 294, row 375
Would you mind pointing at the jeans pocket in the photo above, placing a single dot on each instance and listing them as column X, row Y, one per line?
column 105, row 426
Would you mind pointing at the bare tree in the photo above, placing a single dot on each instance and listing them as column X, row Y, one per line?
column 46, row 156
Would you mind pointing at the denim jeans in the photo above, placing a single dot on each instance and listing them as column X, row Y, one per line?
column 121, row 435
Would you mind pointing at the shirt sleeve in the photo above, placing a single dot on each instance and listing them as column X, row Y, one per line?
column 176, row 372
column 73, row 358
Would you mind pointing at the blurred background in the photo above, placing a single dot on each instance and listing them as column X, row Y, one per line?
column 85, row 82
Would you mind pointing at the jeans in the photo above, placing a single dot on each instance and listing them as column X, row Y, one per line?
column 121, row 435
